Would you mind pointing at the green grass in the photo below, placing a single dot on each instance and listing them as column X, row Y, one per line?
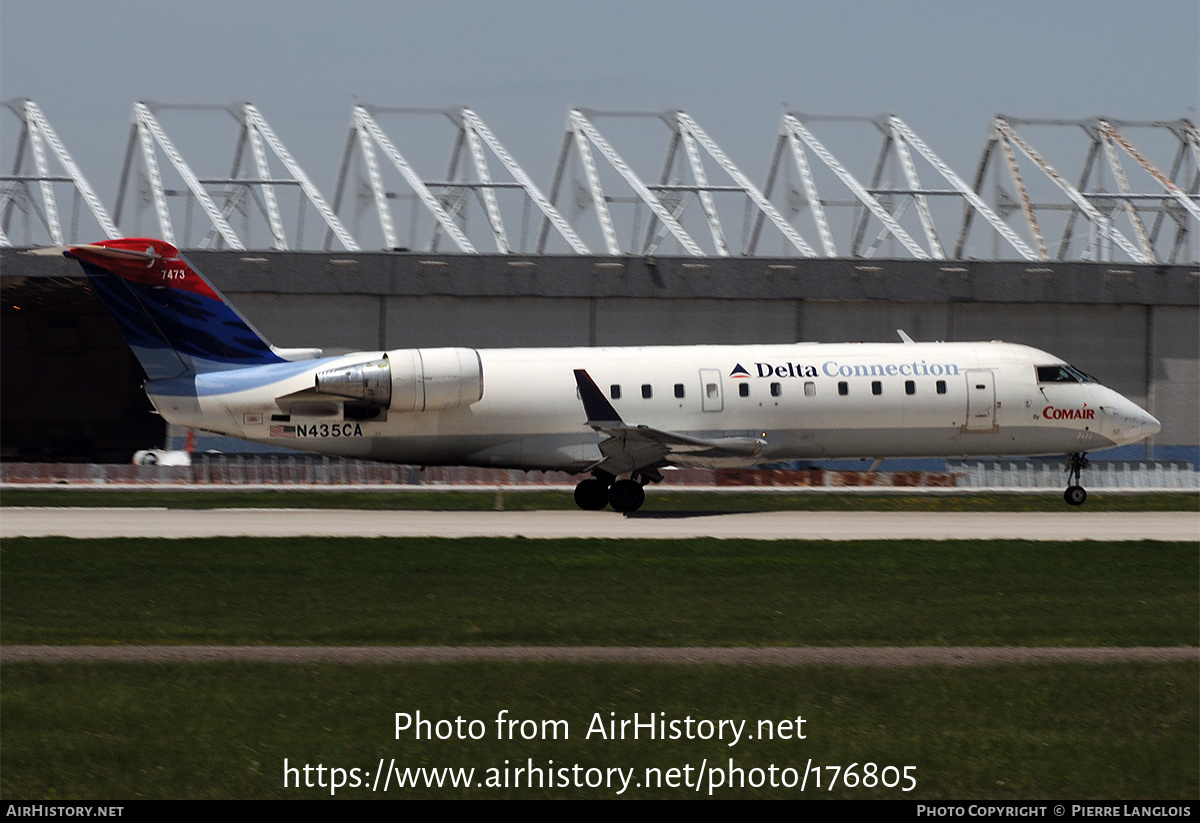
column 657, row 500
column 214, row 731
column 1124, row 731
column 511, row 591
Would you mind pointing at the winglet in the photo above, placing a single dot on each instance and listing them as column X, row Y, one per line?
column 904, row 336
column 599, row 410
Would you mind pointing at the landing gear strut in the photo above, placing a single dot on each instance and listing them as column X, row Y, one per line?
column 604, row 489
column 1075, row 494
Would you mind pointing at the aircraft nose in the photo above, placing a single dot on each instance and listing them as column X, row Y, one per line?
column 1128, row 422
column 1139, row 423
column 1148, row 423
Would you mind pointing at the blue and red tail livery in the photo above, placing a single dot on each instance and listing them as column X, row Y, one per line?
column 173, row 319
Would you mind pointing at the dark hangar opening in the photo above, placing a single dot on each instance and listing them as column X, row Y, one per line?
column 72, row 389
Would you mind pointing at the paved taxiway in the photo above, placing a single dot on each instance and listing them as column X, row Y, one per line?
column 1056, row 526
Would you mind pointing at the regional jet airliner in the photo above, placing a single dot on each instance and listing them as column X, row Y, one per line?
column 618, row 415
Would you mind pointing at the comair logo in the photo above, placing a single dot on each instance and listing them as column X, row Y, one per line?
column 1051, row 413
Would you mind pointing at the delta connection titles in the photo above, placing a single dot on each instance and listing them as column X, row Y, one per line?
column 832, row 368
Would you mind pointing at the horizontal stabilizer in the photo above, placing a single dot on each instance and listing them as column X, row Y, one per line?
column 149, row 254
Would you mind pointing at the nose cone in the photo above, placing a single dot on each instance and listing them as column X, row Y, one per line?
column 1147, row 424
column 1133, row 423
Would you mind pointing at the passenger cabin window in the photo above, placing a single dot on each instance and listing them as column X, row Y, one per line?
column 647, row 391
column 810, row 389
column 777, row 389
column 711, row 390
column 614, row 391
column 941, row 387
column 743, row 389
column 679, row 390
column 843, row 388
column 876, row 387
column 910, row 386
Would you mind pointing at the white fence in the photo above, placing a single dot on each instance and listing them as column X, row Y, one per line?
column 275, row 470
column 1135, row 475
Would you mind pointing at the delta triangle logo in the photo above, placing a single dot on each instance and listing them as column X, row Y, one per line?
column 739, row 371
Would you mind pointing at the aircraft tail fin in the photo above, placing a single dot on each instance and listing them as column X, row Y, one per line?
column 175, row 321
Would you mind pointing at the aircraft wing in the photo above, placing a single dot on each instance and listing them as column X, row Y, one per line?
column 629, row 448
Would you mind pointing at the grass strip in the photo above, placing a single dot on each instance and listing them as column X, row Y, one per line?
column 511, row 591
column 223, row 731
column 657, row 500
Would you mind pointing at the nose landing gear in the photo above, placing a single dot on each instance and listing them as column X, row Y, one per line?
column 1075, row 494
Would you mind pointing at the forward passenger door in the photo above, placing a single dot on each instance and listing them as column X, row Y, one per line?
column 981, row 401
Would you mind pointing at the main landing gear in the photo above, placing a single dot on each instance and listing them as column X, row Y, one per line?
column 605, row 489
column 1075, row 494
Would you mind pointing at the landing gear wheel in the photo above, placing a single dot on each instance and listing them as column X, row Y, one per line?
column 626, row 496
column 1075, row 494
column 591, row 494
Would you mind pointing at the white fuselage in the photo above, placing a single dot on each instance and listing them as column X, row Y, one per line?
column 804, row 401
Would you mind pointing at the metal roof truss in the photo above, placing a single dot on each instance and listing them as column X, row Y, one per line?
column 17, row 191
column 1105, row 198
column 245, row 191
column 684, row 180
column 449, row 199
column 910, row 204
column 876, row 203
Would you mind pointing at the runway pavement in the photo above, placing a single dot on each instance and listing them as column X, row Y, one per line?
column 175, row 523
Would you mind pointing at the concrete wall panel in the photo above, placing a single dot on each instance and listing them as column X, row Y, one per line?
column 655, row 322
column 1175, row 372
column 871, row 322
column 486, row 322
column 349, row 322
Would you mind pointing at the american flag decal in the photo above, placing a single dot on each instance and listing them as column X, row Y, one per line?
column 283, row 431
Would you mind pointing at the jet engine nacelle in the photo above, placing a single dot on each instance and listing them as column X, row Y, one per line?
column 410, row 380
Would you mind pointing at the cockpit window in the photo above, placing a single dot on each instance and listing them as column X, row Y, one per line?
column 1063, row 374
